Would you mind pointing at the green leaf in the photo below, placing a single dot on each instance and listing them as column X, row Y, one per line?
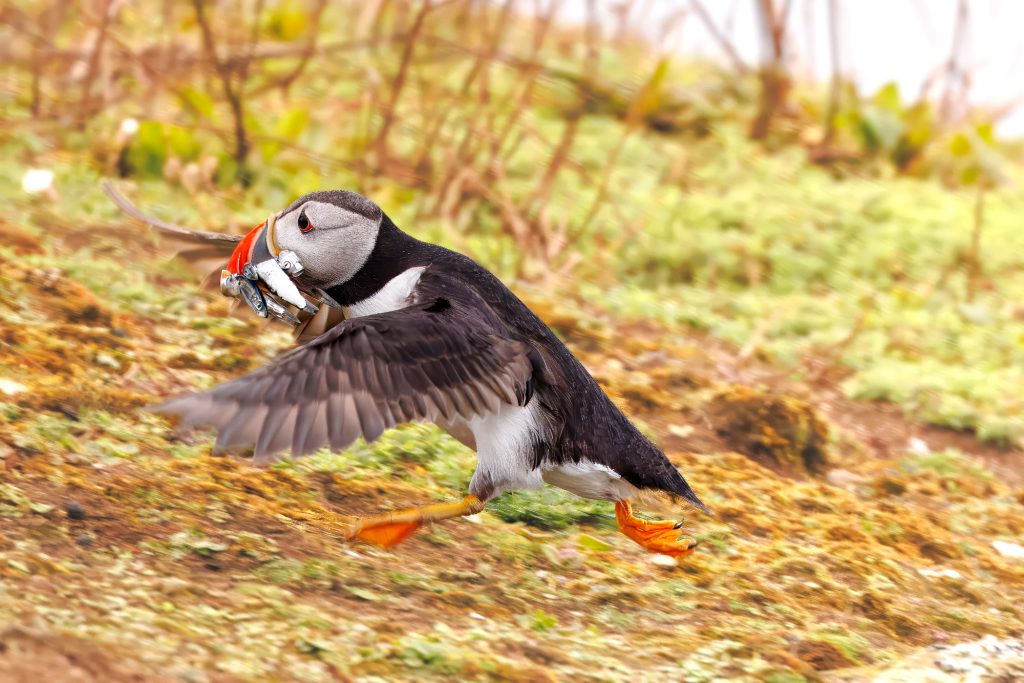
column 198, row 101
column 183, row 143
column 148, row 151
column 286, row 21
column 969, row 175
column 367, row 594
column 590, row 543
column 269, row 149
column 292, row 123
column 888, row 98
column 986, row 133
column 960, row 145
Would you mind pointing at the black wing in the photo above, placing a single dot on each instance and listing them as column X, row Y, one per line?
column 204, row 252
column 194, row 237
column 430, row 361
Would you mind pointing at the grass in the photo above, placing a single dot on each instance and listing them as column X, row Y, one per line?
column 706, row 244
column 867, row 274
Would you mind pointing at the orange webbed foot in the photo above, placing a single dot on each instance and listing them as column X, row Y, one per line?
column 387, row 535
column 657, row 536
column 391, row 528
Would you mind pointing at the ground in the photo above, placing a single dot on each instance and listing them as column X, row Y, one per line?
column 845, row 536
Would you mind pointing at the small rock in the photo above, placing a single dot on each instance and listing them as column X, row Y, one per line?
column 9, row 387
column 1008, row 549
column 37, row 180
column 844, row 479
column 569, row 554
column 918, row 446
column 74, row 510
column 84, row 540
column 934, row 573
column 682, row 431
column 663, row 560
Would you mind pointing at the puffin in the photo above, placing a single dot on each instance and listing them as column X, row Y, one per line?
column 391, row 330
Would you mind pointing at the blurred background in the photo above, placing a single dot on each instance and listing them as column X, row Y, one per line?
column 784, row 235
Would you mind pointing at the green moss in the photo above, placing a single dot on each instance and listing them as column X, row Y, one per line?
column 550, row 508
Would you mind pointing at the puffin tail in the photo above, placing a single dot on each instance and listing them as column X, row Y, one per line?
column 669, row 479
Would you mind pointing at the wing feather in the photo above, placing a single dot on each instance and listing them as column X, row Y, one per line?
column 367, row 374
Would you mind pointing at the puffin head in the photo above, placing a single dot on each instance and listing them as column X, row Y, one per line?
column 322, row 240
column 331, row 233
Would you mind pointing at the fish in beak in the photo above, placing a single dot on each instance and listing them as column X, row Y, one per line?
column 258, row 259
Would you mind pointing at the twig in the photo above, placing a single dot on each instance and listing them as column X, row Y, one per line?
column 834, row 87
column 381, row 144
column 531, row 72
column 719, row 37
column 953, row 67
column 543, row 191
column 289, row 79
column 85, row 108
column 633, row 115
column 774, row 80
column 233, row 98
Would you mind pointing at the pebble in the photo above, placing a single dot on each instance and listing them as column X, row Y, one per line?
column 982, row 656
column 9, row 387
column 918, row 446
column 74, row 510
column 844, row 479
column 84, row 540
column 947, row 573
column 663, row 560
column 1007, row 549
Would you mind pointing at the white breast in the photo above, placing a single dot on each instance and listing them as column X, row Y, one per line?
column 590, row 480
column 504, row 449
column 392, row 296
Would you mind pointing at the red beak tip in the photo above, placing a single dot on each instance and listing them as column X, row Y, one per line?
column 243, row 252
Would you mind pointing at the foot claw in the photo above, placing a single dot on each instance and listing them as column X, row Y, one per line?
column 656, row 536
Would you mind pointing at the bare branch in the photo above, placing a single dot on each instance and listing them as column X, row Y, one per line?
column 719, row 37
column 232, row 95
column 835, row 85
column 95, row 55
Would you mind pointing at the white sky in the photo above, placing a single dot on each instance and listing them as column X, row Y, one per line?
column 904, row 41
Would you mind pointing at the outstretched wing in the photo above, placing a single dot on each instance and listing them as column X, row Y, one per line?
column 430, row 361
column 195, row 237
column 204, row 252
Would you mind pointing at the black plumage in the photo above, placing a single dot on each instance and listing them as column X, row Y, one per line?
column 463, row 346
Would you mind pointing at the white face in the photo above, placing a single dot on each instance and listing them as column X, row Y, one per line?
column 332, row 243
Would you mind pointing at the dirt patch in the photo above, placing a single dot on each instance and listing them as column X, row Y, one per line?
column 690, row 363
column 780, row 432
column 821, row 655
column 28, row 656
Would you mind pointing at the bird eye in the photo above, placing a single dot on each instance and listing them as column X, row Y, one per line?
column 304, row 224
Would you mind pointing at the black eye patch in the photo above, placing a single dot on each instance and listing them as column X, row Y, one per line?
column 304, row 224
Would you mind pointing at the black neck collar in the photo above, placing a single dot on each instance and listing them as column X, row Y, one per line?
column 394, row 253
